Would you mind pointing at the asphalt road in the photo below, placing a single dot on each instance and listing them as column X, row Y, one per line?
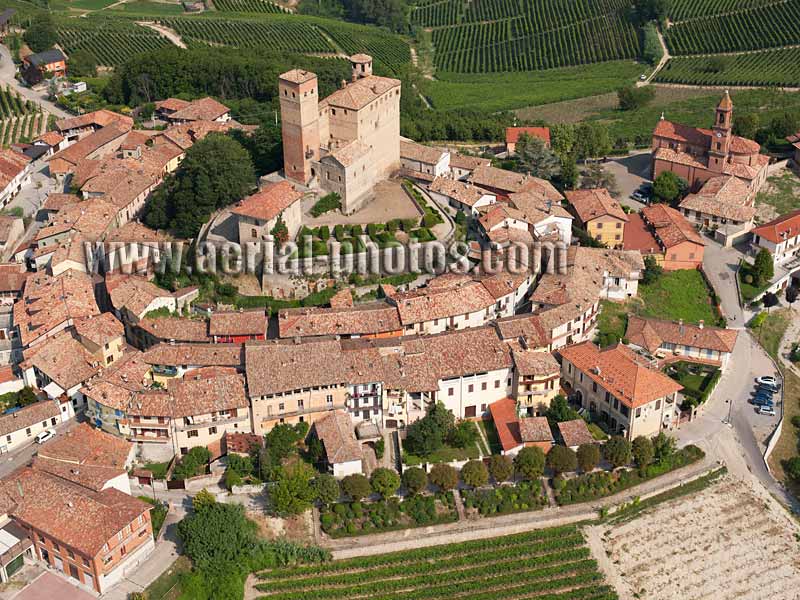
column 631, row 171
column 11, row 461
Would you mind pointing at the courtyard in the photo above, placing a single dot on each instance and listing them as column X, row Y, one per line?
column 390, row 202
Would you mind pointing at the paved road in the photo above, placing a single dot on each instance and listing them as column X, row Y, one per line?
column 7, row 76
column 720, row 265
column 22, row 456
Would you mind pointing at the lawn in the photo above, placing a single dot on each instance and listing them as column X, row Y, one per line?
column 489, row 430
column 697, row 380
column 679, row 295
column 159, row 470
column 782, row 193
column 771, row 331
column 748, row 291
column 613, row 319
column 167, row 586
column 506, row 91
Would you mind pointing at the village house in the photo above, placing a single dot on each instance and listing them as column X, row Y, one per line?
column 133, row 248
column 179, row 111
column 462, row 165
column 51, row 141
column 697, row 154
column 347, row 142
column 368, row 320
column 12, row 281
column 258, row 214
column 460, row 195
column 150, row 331
column 343, row 455
column 676, row 340
column 663, row 233
column 14, row 174
column 724, row 205
column 75, row 128
column 536, row 378
column 575, row 433
column 619, row 387
column 423, row 162
column 19, row 428
column 515, row 432
column 502, row 183
column 175, row 360
column 93, row 537
column 50, row 62
column 794, row 140
column 514, row 133
column 132, row 297
column 237, row 327
column 599, row 215
column 781, row 237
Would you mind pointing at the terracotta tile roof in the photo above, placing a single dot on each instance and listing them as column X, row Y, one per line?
column 513, row 134
column 207, row 390
column 100, row 329
column 133, row 292
column 205, row 109
column 81, row 149
column 725, row 197
column 117, row 385
column 426, row 304
column 338, row 437
column 525, row 326
column 269, row 202
column 420, row 152
column 12, row 277
column 506, row 422
column 503, row 283
column 364, row 319
column 495, row 214
column 621, row 372
column 48, row 301
column 185, row 135
column 176, row 329
column 591, row 204
column 537, row 207
column 638, row 236
column 250, row 322
column 92, row 219
column 535, row 363
column 740, row 145
column 681, row 158
column 12, row 163
column 746, row 172
column 458, row 190
column 298, row 76
column 75, row 516
column 171, row 104
column 360, row 93
column 535, row 429
column 198, row 355
column 677, row 132
column 342, row 299
column 98, row 118
column 575, row 433
column 242, row 443
column 65, row 361
column 509, row 181
column 466, row 162
column 51, row 138
column 505, row 236
column 348, row 153
column 134, row 231
column 651, row 333
column 780, row 229
column 671, row 227
column 38, row 412
column 56, row 201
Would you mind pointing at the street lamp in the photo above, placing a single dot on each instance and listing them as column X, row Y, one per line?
column 727, row 420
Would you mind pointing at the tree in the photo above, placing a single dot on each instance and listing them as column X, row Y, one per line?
column 792, row 467
column 500, row 467
column 474, row 474
column 763, row 267
column 597, row 177
column 191, row 463
column 294, row 491
column 642, row 451
column 652, row 270
column 415, row 480
column 215, row 173
column 669, row 188
column 202, row 500
column 562, row 140
column 426, row 435
column 631, row 97
column 529, row 463
column 535, row 157
column 664, row 447
column 385, row 482
column 617, row 451
column 327, row 488
column 83, row 63
column 356, row 486
column 588, row 456
column 560, row 411
column 652, row 51
column 562, row 459
column 786, row 123
column 770, row 300
column 568, row 173
column 42, row 34
column 444, row 476
column 746, row 125
column 791, row 294
column 592, row 140
column 215, row 537
column 464, row 434
column 264, row 146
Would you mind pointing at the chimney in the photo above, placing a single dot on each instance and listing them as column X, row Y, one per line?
column 680, row 326
column 701, row 324
column 343, row 84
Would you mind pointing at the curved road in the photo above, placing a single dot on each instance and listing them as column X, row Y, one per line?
column 7, row 77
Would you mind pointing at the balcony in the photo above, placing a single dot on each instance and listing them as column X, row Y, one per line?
column 300, row 412
column 212, row 422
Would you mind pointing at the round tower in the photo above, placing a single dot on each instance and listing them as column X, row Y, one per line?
column 362, row 65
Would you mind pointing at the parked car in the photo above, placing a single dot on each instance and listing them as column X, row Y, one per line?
column 43, row 436
column 637, row 195
column 763, row 401
column 769, row 380
column 766, row 410
column 767, row 388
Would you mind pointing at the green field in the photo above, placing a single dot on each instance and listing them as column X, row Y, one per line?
column 768, row 68
column 782, row 192
column 678, row 295
column 505, row 91
column 550, row 564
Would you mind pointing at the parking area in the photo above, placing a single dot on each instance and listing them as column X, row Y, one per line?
column 631, row 172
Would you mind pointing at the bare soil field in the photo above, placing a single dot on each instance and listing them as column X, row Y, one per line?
column 731, row 540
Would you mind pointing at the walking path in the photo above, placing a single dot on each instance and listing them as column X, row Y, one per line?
column 462, row 515
column 665, row 56
column 166, row 32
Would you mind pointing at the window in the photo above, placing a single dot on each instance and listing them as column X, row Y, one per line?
column 599, row 225
column 594, row 386
column 28, row 432
column 617, row 237
column 496, row 383
column 658, row 404
column 70, row 553
column 212, row 430
column 192, row 433
column 85, row 561
column 300, row 403
column 329, row 399
column 619, row 225
column 483, row 386
column 53, row 421
column 450, row 391
column 281, row 406
column 470, row 388
column 8, row 439
column 638, row 412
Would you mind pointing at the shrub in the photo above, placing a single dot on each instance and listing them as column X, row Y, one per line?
column 588, row 456
column 415, row 480
column 324, row 233
column 430, row 219
column 792, row 467
column 380, row 448
column 474, row 474
column 327, row 203
column 464, row 434
column 529, row 462
column 796, row 420
column 384, row 482
column 327, row 488
column 562, row 459
column 617, row 451
column 444, row 476
column 232, row 478
column 356, row 486
column 500, row 467
column 642, row 450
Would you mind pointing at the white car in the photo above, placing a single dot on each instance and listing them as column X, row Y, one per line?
column 43, row 436
column 766, row 410
column 768, row 380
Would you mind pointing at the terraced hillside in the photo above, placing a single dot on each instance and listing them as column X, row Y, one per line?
column 111, row 41
column 552, row 564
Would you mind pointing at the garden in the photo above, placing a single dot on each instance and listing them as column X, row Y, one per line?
column 438, row 438
column 698, row 381
column 539, row 563
column 505, row 499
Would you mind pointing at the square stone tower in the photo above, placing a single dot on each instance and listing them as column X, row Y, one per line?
column 299, row 123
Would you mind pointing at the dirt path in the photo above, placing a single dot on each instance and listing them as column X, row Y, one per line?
column 665, row 56
column 166, row 32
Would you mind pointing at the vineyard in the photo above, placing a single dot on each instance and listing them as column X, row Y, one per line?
column 383, row 47
column 768, row 68
column 681, row 10
column 754, row 28
column 551, row 564
column 247, row 6
column 111, row 41
column 20, row 120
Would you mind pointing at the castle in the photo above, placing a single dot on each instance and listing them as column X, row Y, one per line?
column 345, row 143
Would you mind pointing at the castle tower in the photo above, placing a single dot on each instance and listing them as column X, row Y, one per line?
column 361, row 65
column 297, row 90
column 721, row 134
